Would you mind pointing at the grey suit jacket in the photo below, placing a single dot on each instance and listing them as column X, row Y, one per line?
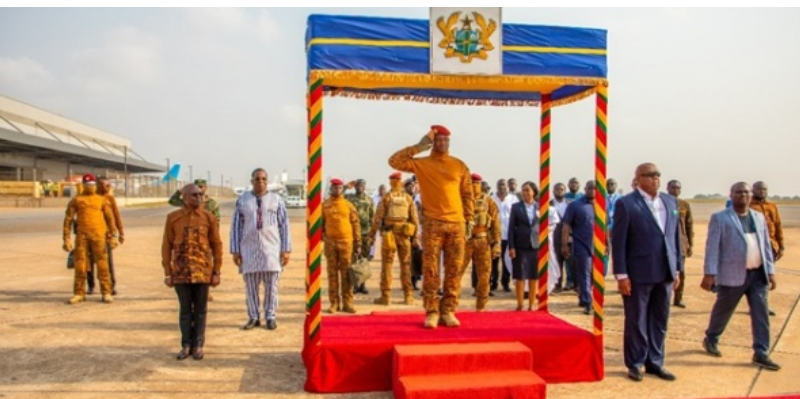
column 726, row 248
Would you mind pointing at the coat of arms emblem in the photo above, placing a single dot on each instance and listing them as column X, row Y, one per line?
column 466, row 41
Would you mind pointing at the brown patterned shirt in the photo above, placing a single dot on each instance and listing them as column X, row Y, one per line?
column 770, row 211
column 192, row 249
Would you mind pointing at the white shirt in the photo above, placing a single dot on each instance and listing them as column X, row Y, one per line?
column 504, row 207
column 657, row 207
column 560, row 207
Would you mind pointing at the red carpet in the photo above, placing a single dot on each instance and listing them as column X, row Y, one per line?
column 474, row 370
column 355, row 353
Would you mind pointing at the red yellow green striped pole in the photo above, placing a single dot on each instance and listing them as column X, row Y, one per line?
column 544, row 200
column 313, row 323
column 600, row 207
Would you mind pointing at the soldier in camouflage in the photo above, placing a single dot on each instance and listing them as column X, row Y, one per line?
column 366, row 211
column 396, row 218
column 484, row 245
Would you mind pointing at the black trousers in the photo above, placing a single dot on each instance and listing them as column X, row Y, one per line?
column 90, row 272
column 193, row 299
column 504, row 277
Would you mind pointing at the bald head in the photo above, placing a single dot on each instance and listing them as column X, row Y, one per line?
column 192, row 196
column 648, row 178
column 760, row 190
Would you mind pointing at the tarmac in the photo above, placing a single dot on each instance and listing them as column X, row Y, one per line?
column 126, row 349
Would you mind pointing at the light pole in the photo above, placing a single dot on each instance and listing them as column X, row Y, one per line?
column 168, row 178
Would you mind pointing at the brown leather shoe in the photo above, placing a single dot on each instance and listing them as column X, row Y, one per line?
column 197, row 354
column 184, row 353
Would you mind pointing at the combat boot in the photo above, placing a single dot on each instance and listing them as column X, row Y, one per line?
column 107, row 298
column 76, row 299
column 333, row 309
column 381, row 300
column 409, row 299
column 450, row 320
column 432, row 320
column 348, row 309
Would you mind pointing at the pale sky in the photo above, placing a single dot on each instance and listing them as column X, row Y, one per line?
column 710, row 95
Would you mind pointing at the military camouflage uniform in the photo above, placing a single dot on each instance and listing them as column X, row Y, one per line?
column 396, row 218
column 366, row 211
column 342, row 233
column 94, row 226
column 483, row 245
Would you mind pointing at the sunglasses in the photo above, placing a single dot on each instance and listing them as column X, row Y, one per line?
column 650, row 174
column 259, row 217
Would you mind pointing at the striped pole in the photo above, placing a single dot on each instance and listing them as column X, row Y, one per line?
column 544, row 200
column 313, row 322
column 600, row 208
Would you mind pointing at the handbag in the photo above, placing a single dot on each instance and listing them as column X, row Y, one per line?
column 71, row 260
column 359, row 271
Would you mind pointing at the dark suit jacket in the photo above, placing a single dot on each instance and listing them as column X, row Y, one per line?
column 638, row 246
column 521, row 233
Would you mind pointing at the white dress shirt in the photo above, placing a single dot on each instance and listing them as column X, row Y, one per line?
column 504, row 207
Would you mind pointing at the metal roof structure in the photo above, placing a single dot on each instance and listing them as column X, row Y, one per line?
column 28, row 130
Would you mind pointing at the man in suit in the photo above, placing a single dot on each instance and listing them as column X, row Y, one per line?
column 739, row 262
column 645, row 245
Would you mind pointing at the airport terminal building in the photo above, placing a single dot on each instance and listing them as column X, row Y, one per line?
column 42, row 154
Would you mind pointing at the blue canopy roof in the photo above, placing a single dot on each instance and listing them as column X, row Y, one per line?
column 389, row 58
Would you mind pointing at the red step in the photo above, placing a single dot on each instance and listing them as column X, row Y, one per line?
column 411, row 360
column 517, row 384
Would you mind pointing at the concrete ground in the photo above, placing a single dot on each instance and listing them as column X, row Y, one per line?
column 50, row 349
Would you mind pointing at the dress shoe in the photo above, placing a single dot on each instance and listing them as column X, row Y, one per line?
column 711, row 348
column 449, row 319
column 381, row 300
column 766, row 362
column 635, row 374
column 660, row 372
column 364, row 290
column 679, row 304
column 251, row 324
column 197, row 354
column 506, row 288
column 431, row 320
column 348, row 309
column 587, row 310
column 771, row 313
column 184, row 353
column 491, row 293
column 107, row 298
column 272, row 324
column 76, row 299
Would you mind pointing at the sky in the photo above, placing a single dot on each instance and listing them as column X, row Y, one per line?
column 709, row 95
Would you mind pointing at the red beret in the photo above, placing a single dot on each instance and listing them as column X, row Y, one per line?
column 396, row 175
column 89, row 178
column 441, row 130
column 476, row 177
column 336, row 182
